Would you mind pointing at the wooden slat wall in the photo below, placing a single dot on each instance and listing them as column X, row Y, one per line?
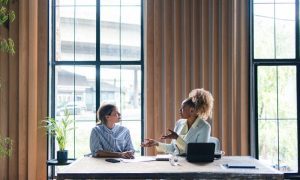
column 198, row 44
column 23, row 98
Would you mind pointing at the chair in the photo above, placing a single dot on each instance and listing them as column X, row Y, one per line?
column 217, row 144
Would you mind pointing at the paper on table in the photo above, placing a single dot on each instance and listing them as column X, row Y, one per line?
column 163, row 157
column 139, row 159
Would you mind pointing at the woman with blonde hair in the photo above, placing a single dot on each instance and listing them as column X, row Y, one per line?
column 192, row 127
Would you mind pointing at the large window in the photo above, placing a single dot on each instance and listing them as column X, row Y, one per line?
column 275, row 61
column 96, row 57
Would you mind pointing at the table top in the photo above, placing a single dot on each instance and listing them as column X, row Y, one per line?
column 89, row 167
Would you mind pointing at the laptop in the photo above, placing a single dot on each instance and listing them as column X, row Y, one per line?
column 200, row 152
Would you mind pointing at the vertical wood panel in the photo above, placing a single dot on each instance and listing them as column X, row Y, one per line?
column 232, row 73
column 244, row 76
column 4, row 103
column 205, row 44
column 32, row 89
column 168, row 41
column 215, row 69
column 177, row 54
column 150, row 72
column 23, row 89
column 224, row 87
column 195, row 45
column 42, row 87
column 187, row 47
column 199, row 15
column 13, row 95
column 238, row 71
column 158, row 125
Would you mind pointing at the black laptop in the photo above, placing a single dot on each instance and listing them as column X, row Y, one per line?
column 200, row 152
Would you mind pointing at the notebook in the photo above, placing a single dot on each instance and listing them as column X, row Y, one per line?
column 200, row 152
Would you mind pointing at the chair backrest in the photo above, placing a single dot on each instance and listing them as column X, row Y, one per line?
column 217, row 143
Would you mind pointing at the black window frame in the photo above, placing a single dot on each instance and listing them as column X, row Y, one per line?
column 254, row 64
column 52, row 63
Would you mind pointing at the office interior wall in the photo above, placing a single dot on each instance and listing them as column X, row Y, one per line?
column 23, row 93
column 198, row 44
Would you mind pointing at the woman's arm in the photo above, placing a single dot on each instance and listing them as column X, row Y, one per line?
column 129, row 145
column 95, row 144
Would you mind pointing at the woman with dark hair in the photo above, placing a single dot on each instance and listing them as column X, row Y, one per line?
column 192, row 127
column 109, row 139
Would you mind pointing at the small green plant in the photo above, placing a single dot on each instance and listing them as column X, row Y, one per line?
column 5, row 146
column 6, row 16
column 59, row 128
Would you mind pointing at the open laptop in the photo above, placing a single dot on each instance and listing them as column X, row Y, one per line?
column 200, row 152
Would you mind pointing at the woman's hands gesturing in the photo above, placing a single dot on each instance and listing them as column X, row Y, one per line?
column 172, row 135
column 149, row 143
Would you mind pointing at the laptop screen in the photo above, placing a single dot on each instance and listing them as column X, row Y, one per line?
column 200, row 152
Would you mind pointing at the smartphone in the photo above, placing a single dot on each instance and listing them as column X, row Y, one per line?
column 112, row 160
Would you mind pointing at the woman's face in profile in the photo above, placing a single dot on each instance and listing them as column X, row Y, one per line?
column 185, row 111
column 114, row 116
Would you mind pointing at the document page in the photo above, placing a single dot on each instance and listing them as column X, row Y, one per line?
column 163, row 157
column 139, row 159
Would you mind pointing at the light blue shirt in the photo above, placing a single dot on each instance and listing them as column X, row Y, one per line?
column 116, row 139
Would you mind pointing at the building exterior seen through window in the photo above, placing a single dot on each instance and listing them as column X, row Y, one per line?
column 96, row 57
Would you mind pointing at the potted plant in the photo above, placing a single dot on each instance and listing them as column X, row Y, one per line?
column 59, row 129
column 5, row 146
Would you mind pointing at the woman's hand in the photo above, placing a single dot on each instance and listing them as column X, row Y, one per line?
column 172, row 135
column 127, row 155
column 149, row 143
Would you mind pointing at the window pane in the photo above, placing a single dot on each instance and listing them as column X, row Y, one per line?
column 110, row 2
column 263, row 1
column 135, row 133
column 285, row 31
column 272, row 1
column 268, row 141
column 277, row 120
column 288, row 152
column 131, row 33
column 75, row 91
column 86, row 2
column 263, row 31
column 121, row 85
column 110, row 86
column 110, row 33
column 64, row 100
column 131, row 96
column 274, row 30
column 64, row 33
column 64, row 2
column 267, row 92
column 131, row 2
column 64, row 94
column 285, row 1
column 82, row 132
column 85, row 30
column 287, row 92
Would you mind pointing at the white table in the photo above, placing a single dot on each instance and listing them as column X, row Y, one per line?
column 98, row 168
